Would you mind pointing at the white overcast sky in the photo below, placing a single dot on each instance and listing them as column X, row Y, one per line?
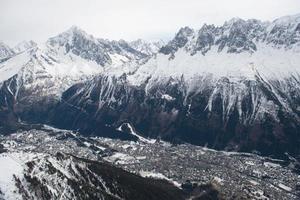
column 127, row 19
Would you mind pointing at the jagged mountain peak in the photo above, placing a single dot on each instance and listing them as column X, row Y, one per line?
column 234, row 20
column 69, row 36
column 139, row 41
column 3, row 45
column 5, row 51
column 237, row 36
column 285, row 31
column 24, row 45
column 207, row 26
column 185, row 32
column 146, row 47
column 180, row 40
column 77, row 29
column 102, row 51
column 288, row 19
column 239, row 23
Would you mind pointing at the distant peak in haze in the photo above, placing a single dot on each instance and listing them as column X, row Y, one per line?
column 76, row 29
column 146, row 47
column 68, row 36
column 24, row 45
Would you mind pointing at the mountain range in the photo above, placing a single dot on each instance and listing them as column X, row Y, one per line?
column 233, row 87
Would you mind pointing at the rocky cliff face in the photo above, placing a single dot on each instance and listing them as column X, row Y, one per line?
column 169, row 111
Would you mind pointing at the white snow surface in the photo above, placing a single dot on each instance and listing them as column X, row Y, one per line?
column 270, row 62
column 167, row 97
column 121, row 158
column 9, row 167
column 156, row 175
column 12, row 66
column 142, row 139
column 12, row 164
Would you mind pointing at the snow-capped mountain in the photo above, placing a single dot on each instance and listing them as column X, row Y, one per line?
column 5, row 51
column 234, row 86
column 148, row 48
column 72, row 53
column 103, row 52
column 237, row 36
column 24, row 45
column 65, row 59
column 39, row 74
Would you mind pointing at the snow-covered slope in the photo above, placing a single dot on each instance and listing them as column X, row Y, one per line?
column 48, row 73
column 8, row 169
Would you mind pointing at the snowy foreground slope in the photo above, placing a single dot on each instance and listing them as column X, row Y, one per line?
column 233, row 87
column 61, row 176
